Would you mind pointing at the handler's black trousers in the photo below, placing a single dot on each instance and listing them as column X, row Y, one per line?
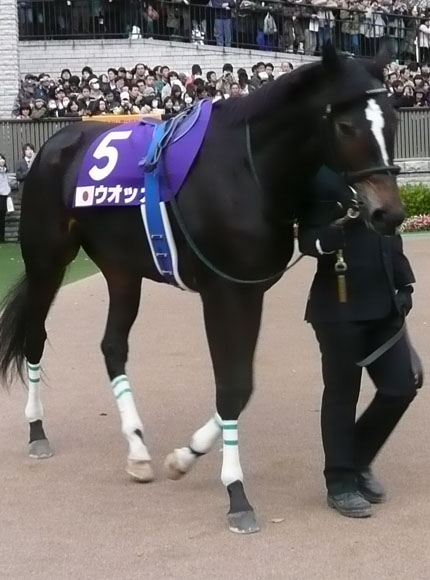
column 351, row 445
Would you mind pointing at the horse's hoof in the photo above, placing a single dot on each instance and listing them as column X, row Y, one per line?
column 40, row 449
column 171, row 467
column 140, row 470
column 243, row 523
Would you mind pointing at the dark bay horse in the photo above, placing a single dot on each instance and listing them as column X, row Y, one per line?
column 237, row 206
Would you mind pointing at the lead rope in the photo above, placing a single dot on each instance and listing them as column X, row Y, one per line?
column 211, row 266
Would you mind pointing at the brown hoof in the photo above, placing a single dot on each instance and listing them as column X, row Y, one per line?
column 171, row 468
column 140, row 470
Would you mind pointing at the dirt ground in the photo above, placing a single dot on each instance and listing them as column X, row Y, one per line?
column 77, row 516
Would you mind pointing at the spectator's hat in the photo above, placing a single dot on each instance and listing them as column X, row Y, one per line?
column 124, row 96
column 38, row 99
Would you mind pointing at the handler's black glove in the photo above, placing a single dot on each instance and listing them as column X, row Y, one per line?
column 404, row 299
column 331, row 238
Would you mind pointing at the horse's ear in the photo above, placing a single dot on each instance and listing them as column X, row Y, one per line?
column 330, row 59
column 382, row 59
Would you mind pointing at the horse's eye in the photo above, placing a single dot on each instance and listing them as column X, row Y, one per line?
column 346, row 129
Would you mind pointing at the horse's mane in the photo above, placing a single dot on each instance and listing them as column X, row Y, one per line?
column 314, row 84
column 289, row 87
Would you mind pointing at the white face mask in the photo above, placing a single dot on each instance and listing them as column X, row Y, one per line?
column 188, row 100
column 155, row 104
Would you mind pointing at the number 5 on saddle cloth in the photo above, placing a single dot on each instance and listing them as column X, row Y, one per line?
column 113, row 173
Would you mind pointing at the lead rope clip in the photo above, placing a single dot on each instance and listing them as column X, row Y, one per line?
column 341, row 268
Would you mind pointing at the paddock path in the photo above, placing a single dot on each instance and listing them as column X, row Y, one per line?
column 76, row 516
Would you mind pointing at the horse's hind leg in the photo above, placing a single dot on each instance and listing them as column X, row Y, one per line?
column 41, row 291
column 124, row 298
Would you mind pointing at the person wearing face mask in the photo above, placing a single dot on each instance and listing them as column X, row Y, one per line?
column 52, row 109
column 95, row 91
column 188, row 100
column 5, row 191
column 178, row 106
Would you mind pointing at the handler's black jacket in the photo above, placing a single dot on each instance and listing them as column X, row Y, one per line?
column 377, row 267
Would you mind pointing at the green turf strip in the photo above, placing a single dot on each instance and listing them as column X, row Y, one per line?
column 12, row 266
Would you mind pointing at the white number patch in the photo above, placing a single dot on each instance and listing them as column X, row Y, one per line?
column 105, row 150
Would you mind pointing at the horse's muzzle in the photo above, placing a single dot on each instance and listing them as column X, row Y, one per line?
column 381, row 204
column 385, row 221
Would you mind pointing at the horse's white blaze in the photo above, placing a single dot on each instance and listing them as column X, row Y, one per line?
column 130, row 420
column 231, row 468
column 34, row 407
column 376, row 119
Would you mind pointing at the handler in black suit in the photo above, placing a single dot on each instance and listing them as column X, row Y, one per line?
column 379, row 287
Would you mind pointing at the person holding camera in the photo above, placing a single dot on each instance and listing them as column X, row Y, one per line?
column 360, row 296
column 126, row 107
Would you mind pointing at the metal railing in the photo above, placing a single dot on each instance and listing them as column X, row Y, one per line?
column 412, row 140
column 413, row 133
column 291, row 27
column 15, row 133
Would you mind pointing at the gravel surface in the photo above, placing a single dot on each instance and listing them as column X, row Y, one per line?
column 77, row 516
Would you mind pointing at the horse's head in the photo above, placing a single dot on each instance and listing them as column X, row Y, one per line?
column 359, row 128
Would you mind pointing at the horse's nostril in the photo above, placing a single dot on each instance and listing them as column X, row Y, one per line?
column 386, row 221
column 379, row 215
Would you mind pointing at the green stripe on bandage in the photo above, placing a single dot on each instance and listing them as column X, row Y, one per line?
column 122, row 393
column 33, row 367
column 236, row 442
column 118, row 381
column 34, row 380
column 229, row 427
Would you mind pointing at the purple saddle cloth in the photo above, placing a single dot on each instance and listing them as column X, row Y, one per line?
column 111, row 172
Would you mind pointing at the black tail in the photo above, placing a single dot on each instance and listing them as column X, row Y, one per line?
column 13, row 332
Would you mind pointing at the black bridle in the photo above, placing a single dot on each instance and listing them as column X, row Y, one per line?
column 351, row 177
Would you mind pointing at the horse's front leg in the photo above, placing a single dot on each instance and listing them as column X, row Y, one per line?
column 232, row 319
column 124, row 298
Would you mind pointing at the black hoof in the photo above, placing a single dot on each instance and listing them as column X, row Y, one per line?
column 243, row 523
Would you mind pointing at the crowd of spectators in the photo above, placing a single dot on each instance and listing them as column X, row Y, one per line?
column 302, row 26
column 409, row 86
column 143, row 90
column 139, row 90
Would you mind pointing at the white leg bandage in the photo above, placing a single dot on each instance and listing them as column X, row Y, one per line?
column 130, row 420
column 201, row 442
column 34, row 407
column 231, row 469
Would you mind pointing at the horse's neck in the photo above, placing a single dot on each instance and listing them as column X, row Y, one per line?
column 286, row 154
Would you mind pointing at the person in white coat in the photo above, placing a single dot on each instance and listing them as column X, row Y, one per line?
column 4, row 194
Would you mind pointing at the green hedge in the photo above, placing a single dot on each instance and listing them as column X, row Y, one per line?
column 416, row 198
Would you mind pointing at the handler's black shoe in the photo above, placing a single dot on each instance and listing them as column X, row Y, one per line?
column 370, row 488
column 350, row 504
